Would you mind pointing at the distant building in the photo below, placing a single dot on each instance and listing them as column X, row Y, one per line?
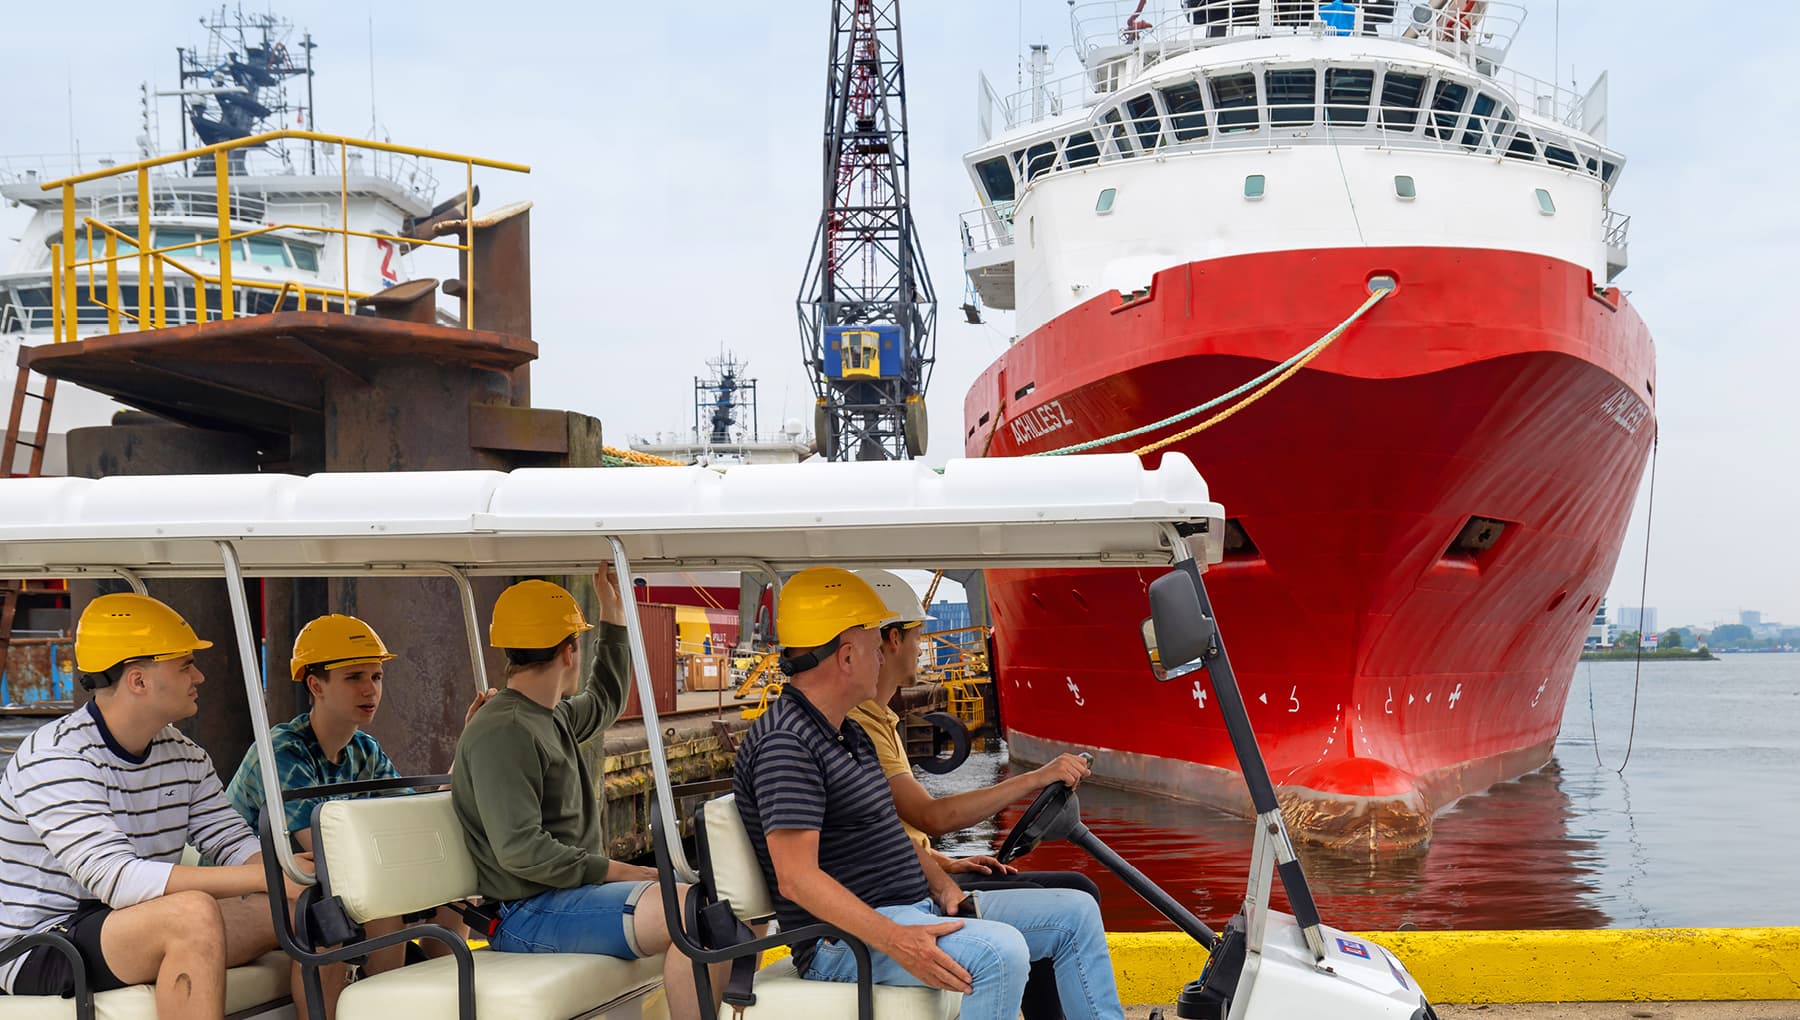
column 1600, row 634
column 1750, row 617
column 1638, row 618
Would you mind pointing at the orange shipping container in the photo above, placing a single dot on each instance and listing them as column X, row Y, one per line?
column 659, row 647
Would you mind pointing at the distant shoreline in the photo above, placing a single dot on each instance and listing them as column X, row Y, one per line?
column 1630, row 655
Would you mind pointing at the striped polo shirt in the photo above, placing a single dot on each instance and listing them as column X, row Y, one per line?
column 83, row 819
column 795, row 770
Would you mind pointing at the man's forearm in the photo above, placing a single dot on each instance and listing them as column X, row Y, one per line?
column 237, row 880
column 826, row 898
column 959, row 811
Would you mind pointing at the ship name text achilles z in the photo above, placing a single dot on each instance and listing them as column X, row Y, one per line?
column 1429, row 509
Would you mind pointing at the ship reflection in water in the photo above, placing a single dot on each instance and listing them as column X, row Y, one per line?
column 1686, row 837
column 1473, row 875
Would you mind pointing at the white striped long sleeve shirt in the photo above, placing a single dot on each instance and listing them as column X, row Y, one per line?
column 82, row 819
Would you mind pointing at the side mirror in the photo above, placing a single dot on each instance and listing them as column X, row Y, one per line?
column 1156, row 666
column 1182, row 632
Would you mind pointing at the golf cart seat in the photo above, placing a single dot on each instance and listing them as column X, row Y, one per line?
column 389, row 856
column 262, row 982
column 730, row 873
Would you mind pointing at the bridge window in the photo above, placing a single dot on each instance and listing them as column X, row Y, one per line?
column 1291, row 95
column 1145, row 121
column 1037, row 159
column 1234, row 100
column 268, row 251
column 1116, row 133
column 1560, row 156
column 305, row 256
column 1401, row 96
column 1607, row 169
column 1447, row 104
column 995, row 179
column 1187, row 111
column 1347, row 94
column 1081, row 150
column 1522, row 147
column 1479, row 116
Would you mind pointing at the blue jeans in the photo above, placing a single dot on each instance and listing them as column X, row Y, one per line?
column 585, row 919
column 1016, row 926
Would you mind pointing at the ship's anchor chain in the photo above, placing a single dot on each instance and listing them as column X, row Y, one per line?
column 1267, row 382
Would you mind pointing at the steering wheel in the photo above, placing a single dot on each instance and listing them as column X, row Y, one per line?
column 1053, row 815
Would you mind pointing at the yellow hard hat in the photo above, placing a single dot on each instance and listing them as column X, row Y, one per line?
column 535, row 614
column 901, row 601
column 114, row 628
column 819, row 603
column 335, row 641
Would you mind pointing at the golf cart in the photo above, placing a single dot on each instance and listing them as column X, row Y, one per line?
column 402, row 852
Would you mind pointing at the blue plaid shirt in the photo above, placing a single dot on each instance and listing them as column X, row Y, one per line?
column 301, row 762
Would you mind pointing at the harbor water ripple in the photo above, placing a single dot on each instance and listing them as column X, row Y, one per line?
column 1701, row 829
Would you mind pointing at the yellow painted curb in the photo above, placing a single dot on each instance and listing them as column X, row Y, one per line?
column 1642, row 964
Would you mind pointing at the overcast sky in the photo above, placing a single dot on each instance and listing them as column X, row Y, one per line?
column 675, row 153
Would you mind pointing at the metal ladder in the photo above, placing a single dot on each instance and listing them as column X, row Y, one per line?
column 15, row 423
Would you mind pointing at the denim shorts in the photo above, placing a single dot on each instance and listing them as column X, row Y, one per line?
column 585, row 919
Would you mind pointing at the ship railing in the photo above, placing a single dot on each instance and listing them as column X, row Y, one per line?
column 1618, row 229
column 1496, row 133
column 987, row 228
column 67, row 260
column 184, row 178
column 1116, row 43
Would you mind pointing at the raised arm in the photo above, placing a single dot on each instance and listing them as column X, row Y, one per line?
column 603, row 697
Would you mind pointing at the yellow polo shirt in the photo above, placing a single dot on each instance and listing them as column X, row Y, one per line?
column 882, row 724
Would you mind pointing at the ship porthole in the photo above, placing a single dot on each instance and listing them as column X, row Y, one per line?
column 1104, row 204
column 1381, row 281
column 1404, row 188
column 1254, row 185
column 1546, row 204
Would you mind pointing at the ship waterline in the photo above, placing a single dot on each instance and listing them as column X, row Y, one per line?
column 1423, row 522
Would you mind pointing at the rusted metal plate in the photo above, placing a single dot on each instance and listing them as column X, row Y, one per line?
column 523, row 429
column 39, row 673
column 264, row 373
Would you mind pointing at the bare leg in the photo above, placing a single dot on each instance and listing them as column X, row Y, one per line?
column 652, row 933
column 249, row 928
column 449, row 919
column 331, row 983
column 383, row 960
column 177, row 942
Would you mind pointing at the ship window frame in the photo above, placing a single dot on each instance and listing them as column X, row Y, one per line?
column 1444, row 122
column 306, row 256
column 1255, row 187
column 1479, row 125
column 1397, row 115
column 1230, row 117
column 1545, row 202
column 1090, row 150
column 1118, row 134
column 1563, row 155
column 1103, row 205
column 1291, row 114
column 1036, row 159
column 1522, row 146
column 987, row 181
column 284, row 260
column 1189, row 123
column 1146, row 128
column 1350, row 114
column 1405, row 188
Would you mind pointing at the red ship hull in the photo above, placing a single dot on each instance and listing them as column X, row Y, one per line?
column 1389, row 667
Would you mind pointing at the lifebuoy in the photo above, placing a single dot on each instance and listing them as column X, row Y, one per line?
column 1456, row 20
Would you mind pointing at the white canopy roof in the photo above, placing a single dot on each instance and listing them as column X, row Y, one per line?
column 999, row 512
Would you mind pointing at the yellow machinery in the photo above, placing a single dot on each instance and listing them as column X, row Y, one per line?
column 959, row 661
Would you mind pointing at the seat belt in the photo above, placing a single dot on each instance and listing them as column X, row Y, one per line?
column 721, row 929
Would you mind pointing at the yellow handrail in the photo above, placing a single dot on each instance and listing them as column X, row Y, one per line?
column 65, row 310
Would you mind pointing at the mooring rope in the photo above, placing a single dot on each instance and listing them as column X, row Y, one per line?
column 1272, row 378
column 1637, row 675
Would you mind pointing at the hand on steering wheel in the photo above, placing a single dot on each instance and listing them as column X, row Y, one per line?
column 1051, row 816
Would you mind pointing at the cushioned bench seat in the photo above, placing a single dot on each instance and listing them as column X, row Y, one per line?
column 261, row 981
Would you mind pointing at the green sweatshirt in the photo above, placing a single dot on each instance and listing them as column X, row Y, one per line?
column 525, row 796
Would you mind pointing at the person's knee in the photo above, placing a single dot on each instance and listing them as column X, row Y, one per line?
column 1006, row 956
column 192, row 919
